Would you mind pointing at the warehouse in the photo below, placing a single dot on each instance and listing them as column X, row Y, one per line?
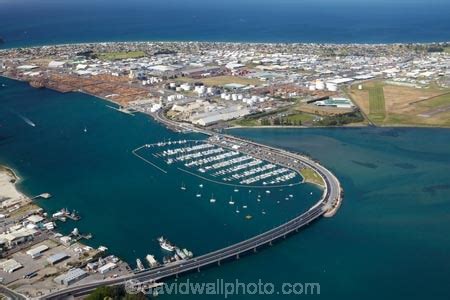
column 37, row 251
column 58, row 257
column 106, row 268
column 10, row 265
column 71, row 277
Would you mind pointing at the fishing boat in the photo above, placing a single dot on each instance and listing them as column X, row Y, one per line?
column 231, row 202
column 183, row 187
column 165, row 244
column 85, row 129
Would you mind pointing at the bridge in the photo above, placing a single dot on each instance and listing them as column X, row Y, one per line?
column 327, row 206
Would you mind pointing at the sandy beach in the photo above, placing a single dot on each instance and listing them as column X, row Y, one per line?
column 8, row 190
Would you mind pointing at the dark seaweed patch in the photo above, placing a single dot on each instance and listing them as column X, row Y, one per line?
column 365, row 164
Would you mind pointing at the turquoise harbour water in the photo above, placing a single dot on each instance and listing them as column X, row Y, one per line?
column 389, row 239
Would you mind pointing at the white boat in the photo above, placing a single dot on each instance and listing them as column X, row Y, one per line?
column 183, row 187
column 165, row 244
column 152, row 262
column 236, row 190
column 200, row 185
column 140, row 265
column 244, row 206
column 198, row 195
column 267, row 192
column 85, row 129
column 231, row 202
column 237, row 211
column 212, row 200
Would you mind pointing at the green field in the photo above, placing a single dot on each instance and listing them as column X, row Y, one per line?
column 377, row 110
column 309, row 175
column 120, row 55
column 300, row 118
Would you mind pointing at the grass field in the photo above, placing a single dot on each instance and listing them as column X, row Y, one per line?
column 300, row 118
column 221, row 80
column 120, row 55
column 377, row 109
column 311, row 176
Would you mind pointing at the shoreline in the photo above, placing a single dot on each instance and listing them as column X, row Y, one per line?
column 253, row 127
column 230, row 42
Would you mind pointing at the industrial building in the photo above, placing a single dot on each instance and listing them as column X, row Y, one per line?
column 336, row 102
column 57, row 258
column 16, row 236
column 107, row 267
column 224, row 114
column 71, row 277
column 10, row 265
column 37, row 251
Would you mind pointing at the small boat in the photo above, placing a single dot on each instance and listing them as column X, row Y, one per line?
column 244, row 206
column 183, row 187
column 291, row 196
column 267, row 192
column 231, row 202
column 236, row 190
column 140, row 265
column 311, row 193
column 198, row 195
column 165, row 244
column 237, row 211
column 200, row 185
column 263, row 212
column 248, row 217
column 85, row 129
column 212, row 200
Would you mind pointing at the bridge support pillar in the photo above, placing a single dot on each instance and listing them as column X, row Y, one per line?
column 218, row 263
column 237, row 256
column 198, row 269
column 176, row 275
column 270, row 243
column 254, row 250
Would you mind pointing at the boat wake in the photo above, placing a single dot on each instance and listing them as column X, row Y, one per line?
column 26, row 120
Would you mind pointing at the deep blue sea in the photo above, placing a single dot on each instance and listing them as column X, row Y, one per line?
column 40, row 22
column 389, row 239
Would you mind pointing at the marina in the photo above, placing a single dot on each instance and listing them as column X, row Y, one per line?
column 220, row 161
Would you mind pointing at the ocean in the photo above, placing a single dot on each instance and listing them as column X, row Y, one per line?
column 41, row 22
column 389, row 239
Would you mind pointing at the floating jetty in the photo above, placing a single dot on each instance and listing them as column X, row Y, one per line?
column 222, row 162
